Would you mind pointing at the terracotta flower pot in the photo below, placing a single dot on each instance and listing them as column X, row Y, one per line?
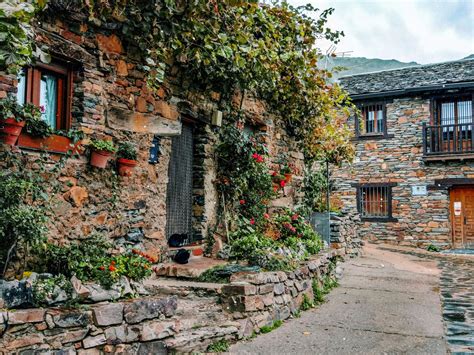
column 288, row 177
column 10, row 129
column 126, row 166
column 99, row 158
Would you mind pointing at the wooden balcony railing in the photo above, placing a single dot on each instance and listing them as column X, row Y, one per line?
column 448, row 140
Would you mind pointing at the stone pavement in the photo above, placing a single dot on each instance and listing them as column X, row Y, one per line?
column 387, row 302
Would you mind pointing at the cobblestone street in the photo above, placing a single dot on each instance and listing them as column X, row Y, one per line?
column 457, row 295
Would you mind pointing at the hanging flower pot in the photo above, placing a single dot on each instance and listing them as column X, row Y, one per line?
column 10, row 129
column 100, row 158
column 126, row 166
column 101, row 152
column 127, row 161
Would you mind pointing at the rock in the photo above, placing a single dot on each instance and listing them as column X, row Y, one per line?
column 79, row 289
column 279, row 288
column 77, row 195
column 263, row 289
column 25, row 341
column 239, row 288
column 123, row 334
column 91, row 342
column 98, row 293
column 138, row 288
column 109, row 44
column 153, row 347
column 70, row 319
column 136, row 311
column 108, row 314
column 70, row 336
column 157, row 330
column 34, row 315
column 16, row 294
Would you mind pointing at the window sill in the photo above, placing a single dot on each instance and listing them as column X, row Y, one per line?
column 373, row 137
column 379, row 219
column 53, row 144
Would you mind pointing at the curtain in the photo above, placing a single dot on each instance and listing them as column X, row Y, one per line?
column 21, row 93
column 48, row 98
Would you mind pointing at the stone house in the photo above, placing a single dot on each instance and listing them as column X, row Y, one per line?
column 412, row 181
column 93, row 84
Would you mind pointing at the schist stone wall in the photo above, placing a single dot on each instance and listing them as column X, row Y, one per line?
column 112, row 101
column 421, row 220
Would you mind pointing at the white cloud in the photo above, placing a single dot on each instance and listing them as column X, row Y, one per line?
column 425, row 31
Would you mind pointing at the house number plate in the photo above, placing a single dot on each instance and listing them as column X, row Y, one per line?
column 419, row 190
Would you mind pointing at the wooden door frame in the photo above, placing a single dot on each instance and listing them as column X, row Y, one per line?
column 451, row 214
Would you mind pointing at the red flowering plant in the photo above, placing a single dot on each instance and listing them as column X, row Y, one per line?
column 243, row 173
column 295, row 229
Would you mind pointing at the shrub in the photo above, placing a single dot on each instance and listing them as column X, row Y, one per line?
column 91, row 260
column 433, row 248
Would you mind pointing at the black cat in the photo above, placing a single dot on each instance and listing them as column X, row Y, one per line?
column 182, row 256
column 177, row 240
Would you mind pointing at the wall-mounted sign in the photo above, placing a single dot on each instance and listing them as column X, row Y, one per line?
column 419, row 190
column 457, row 208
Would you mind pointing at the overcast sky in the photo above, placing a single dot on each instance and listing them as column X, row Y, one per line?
column 425, row 31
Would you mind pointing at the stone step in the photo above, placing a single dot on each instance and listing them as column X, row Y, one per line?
column 193, row 269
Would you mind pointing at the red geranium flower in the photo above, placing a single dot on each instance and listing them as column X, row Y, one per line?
column 252, row 221
column 266, row 216
column 295, row 217
column 101, row 267
column 112, row 268
column 282, row 183
column 242, row 202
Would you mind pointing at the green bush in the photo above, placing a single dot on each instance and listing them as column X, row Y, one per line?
column 90, row 260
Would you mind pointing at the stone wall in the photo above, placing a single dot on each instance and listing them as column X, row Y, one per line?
column 259, row 299
column 344, row 234
column 421, row 220
column 169, row 319
column 111, row 101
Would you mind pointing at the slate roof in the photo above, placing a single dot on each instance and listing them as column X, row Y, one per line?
column 417, row 78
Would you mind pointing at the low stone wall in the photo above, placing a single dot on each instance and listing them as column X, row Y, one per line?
column 259, row 299
column 177, row 320
column 344, row 236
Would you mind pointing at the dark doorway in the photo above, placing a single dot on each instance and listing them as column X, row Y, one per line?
column 179, row 197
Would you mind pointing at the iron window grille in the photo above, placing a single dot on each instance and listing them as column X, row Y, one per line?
column 374, row 202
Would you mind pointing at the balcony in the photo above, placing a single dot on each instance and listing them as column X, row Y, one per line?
column 448, row 142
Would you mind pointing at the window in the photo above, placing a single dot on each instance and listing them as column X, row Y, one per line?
column 455, row 111
column 375, row 201
column 48, row 86
column 373, row 121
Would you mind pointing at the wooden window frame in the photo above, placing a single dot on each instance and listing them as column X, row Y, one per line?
column 437, row 101
column 388, row 185
column 65, row 89
column 372, row 135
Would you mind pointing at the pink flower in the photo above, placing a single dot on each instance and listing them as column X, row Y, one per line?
column 242, row 202
column 266, row 216
column 42, row 109
column 252, row 221
column 282, row 183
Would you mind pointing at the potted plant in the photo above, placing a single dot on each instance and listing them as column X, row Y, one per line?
column 11, row 121
column 127, row 158
column 101, row 151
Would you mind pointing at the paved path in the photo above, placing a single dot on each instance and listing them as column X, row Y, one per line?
column 387, row 303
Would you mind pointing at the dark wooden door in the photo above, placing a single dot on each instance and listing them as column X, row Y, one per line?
column 179, row 199
column 462, row 216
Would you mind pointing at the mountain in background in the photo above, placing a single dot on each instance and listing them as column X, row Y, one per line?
column 359, row 65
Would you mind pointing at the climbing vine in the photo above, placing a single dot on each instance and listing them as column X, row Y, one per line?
column 221, row 46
